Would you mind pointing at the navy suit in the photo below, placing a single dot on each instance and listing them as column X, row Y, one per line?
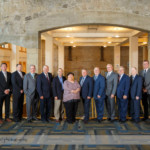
column 57, row 87
column 86, row 90
column 99, row 89
column 135, row 90
column 44, row 88
column 123, row 89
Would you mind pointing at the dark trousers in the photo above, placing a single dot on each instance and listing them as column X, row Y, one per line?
column 122, row 108
column 135, row 109
column 99, row 108
column 146, row 104
column 86, row 104
column 45, row 108
column 5, row 98
column 71, row 109
column 18, row 100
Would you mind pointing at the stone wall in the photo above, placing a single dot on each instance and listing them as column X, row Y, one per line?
column 21, row 20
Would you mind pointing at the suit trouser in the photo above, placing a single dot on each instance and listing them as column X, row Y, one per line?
column 146, row 104
column 18, row 100
column 5, row 98
column 45, row 108
column 122, row 108
column 99, row 108
column 110, row 105
column 71, row 109
column 58, row 109
column 86, row 104
column 31, row 103
column 135, row 109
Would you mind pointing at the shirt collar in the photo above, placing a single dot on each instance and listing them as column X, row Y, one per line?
column 4, row 72
column 146, row 69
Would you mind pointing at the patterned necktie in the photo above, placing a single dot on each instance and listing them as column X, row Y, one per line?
column 47, row 77
column 82, row 81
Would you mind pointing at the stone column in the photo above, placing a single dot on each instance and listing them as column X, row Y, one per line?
column 145, row 54
column 148, row 46
column 116, row 57
column 14, row 57
column 49, row 51
column 61, row 56
column 133, row 53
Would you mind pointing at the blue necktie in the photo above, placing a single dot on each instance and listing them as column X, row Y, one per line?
column 82, row 81
column 95, row 78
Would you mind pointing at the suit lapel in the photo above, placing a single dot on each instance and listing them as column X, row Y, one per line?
column 85, row 80
column 122, row 79
column 3, row 77
column 134, row 79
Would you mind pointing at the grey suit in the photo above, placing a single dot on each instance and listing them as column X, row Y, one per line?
column 146, row 95
column 111, row 87
column 29, row 87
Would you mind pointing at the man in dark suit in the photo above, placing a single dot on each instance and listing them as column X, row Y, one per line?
column 18, row 93
column 135, row 94
column 145, row 74
column 111, row 87
column 5, row 91
column 44, row 88
column 58, row 90
column 86, row 83
column 123, row 94
column 99, row 93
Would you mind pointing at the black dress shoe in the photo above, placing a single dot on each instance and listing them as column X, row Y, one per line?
column 29, row 121
column 108, row 119
column 99, row 121
column 36, row 119
column 48, row 120
column 144, row 119
column 112, row 120
column 85, row 121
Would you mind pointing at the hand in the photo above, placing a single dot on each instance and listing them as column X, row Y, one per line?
column 137, row 97
column 21, row 91
column 6, row 91
column 112, row 96
column 88, row 97
column 98, row 96
column 73, row 91
column 42, row 97
column 56, row 98
column 124, row 97
column 144, row 90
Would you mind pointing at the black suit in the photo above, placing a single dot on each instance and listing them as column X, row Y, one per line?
column 3, row 86
column 57, row 88
column 18, row 98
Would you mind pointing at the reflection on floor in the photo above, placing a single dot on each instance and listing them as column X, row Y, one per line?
column 78, row 128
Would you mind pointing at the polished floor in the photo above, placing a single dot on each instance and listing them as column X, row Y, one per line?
column 37, row 128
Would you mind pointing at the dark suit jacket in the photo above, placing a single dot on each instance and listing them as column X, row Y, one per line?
column 57, row 87
column 99, row 87
column 44, row 87
column 87, row 87
column 17, row 82
column 5, row 85
column 123, row 87
column 136, row 87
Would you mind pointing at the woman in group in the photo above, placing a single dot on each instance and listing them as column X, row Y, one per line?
column 71, row 97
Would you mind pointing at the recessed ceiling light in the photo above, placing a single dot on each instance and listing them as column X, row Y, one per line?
column 105, row 46
column 144, row 42
column 71, row 42
column 117, row 36
column 67, row 35
column 109, row 42
column 74, row 45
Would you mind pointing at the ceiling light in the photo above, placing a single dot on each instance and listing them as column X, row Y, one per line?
column 117, row 36
column 109, row 42
column 71, row 42
column 74, row 45
column 67, row 35
column 144, row 42
column 105, row 45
